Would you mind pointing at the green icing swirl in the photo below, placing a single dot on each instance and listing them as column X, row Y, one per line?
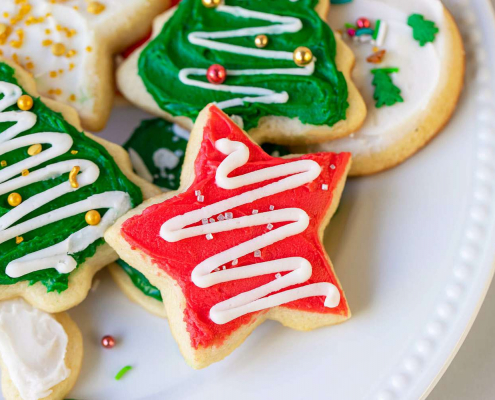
column 140, row 281
column 319, row 99
column 111, row 179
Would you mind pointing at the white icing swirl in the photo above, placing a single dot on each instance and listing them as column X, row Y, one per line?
column 207, row 39
column 296, row 174
column 58, row 255
column 32, row 346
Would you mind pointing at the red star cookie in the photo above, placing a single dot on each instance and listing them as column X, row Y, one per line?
column 239, row 242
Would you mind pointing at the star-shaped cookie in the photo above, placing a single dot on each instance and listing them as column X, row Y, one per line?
column 239, row 242
column 67, row 45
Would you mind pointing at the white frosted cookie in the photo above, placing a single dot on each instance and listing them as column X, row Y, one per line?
column 429, row 78
column 68, row 46
column 60, row 189
column 40, row 354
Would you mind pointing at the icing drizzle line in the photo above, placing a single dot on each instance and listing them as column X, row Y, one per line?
column 296, row 174
column 58, row 255
column 207, row 39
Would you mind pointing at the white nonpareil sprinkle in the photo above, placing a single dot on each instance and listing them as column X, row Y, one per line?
column 224, row 267
column 257, row 253
column 197, row 192
column 229, row 215
column 332, row 166
column 272, row 208
column 278, row 275
column 212, row 220
column 209, row 236
column 255, row 212
column 324, row 187
column 235, row 262
column 220, row 217
column 216, row 269
column 204, row 221
column 201, row 198
column 269, row 227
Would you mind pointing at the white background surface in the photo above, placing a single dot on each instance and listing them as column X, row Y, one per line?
column 471, row 374
column 379, row 281
column 377, row 286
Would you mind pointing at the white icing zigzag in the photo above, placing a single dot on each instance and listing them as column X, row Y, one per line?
column 207, row 40
column 297, row 173
column 56, row 256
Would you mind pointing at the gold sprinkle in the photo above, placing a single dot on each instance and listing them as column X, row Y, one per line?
column 25, row 102
column 71, row 53
column 53, row 74
column 19, row 239
column 73, row 98
column 92, row 217
column 25, row 172
column 30, row 65
column 3, row 163
column 14, row 199
column 5, row 14
column 48, row 31
column 74, row 152
column 58, row 49
column 35, row 149
column 95, row 7
column 47, row 42
column 73, row 177
column 3, row 29
column 71, row 66
column 89, row 49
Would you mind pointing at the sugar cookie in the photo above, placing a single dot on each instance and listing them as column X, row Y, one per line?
column 246, row 240
column 411, row 81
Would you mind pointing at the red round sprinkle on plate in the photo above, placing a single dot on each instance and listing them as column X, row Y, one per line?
column 351, row 32
column 216, row 74
column 108, row 342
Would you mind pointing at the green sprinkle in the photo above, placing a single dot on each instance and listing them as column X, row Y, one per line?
column 350, row 26
column 377, row 28
column 387, row 70
column 122, row 372
column 424, row 31
column 364, row 31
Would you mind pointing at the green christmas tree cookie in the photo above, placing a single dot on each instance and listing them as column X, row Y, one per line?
column 59, row 191
column 262, row 78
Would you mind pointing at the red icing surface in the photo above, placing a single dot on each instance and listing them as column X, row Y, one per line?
column 179, row 259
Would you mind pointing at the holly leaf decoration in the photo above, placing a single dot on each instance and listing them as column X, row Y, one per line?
column 386, row 93
column 424, row 31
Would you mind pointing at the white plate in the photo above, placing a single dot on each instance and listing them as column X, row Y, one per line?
column 413, row 248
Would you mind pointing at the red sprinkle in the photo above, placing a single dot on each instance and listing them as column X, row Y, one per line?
column 363, row 23
column 216, row 74
column 108, row 342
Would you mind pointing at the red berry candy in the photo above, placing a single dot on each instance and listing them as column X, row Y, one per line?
column 363, row 23
column 351, row 32
column 108, row 342
column 216, row 74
